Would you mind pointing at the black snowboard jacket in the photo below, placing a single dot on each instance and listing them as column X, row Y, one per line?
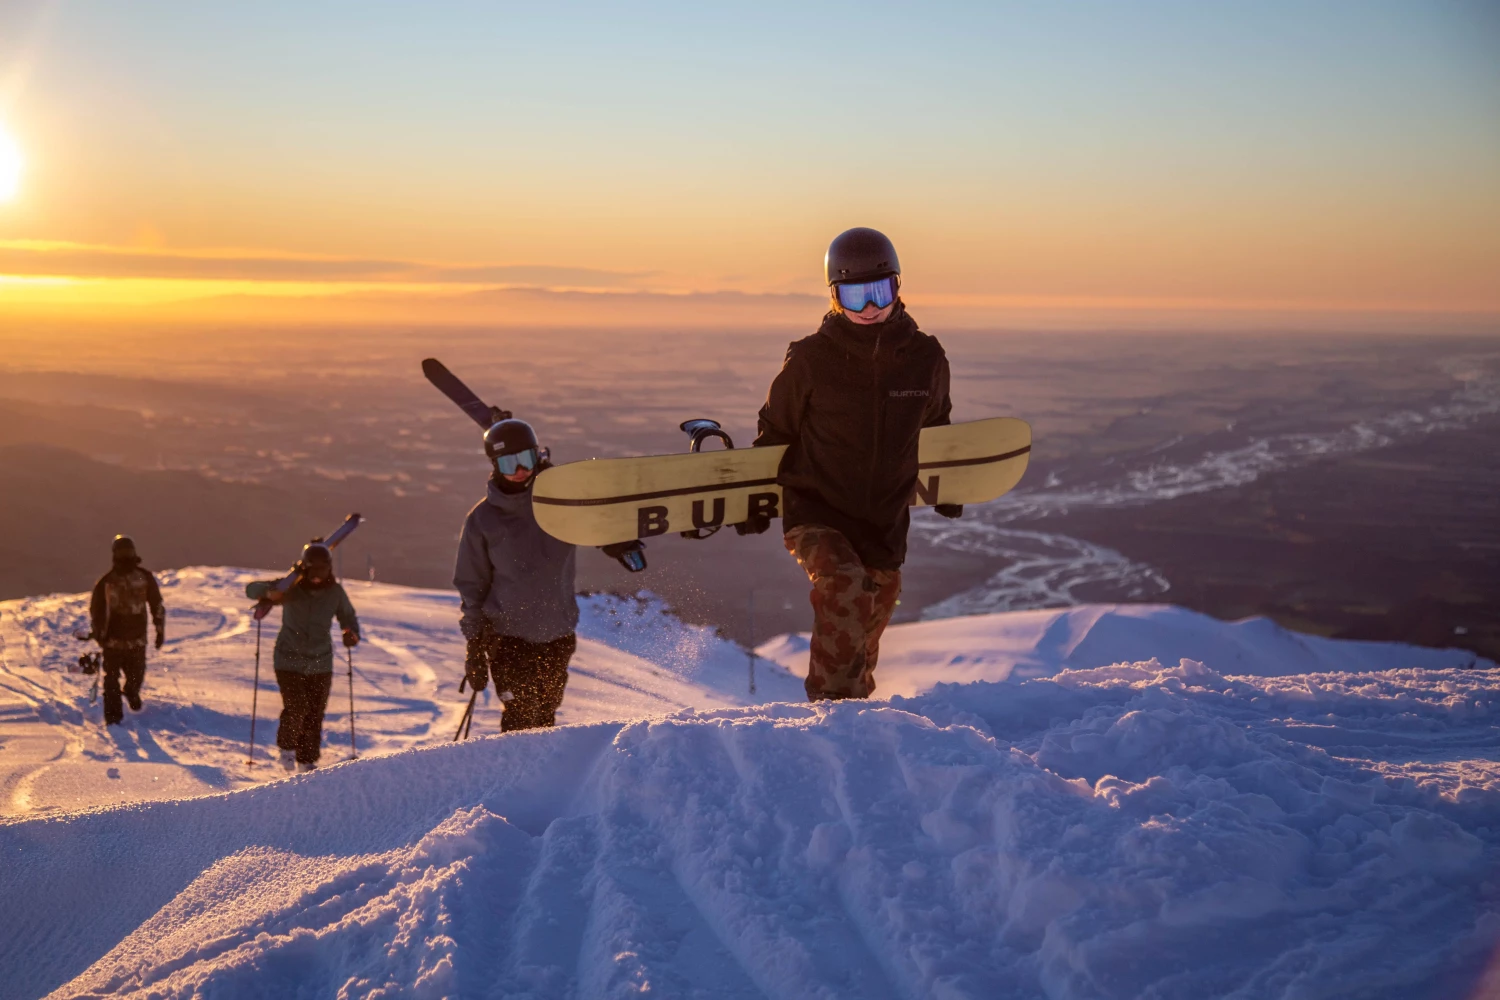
column 849, row 403
column 117, row 610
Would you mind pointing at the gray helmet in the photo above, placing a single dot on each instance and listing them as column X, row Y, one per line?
column 859, row 255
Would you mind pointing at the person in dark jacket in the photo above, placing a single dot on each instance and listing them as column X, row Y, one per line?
column 303, row 657
column 850, row 403
column 516, row 589
column 117, row 615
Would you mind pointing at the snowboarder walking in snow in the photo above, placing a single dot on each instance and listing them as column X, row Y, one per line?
column 516, row 587
column 303, row 657
column 117, row 615
column 850, row 402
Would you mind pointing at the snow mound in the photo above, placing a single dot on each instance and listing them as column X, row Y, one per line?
column 1124, row 831
column 1019, row 645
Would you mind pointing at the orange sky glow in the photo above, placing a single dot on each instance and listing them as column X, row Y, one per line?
column 1240, row 171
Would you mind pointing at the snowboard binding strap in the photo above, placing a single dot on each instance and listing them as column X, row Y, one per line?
column 698, row 430
column 701, row 429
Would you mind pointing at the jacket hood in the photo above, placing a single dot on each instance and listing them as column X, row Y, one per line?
column 508, row 503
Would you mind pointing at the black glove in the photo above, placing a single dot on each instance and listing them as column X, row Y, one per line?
column 476, row 664
column 953, row 510
column 351, row 638
column 161, row 636
column 756, row 524
column 631, row 554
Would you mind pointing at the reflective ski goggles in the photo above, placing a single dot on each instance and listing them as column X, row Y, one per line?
column 855, row 295
column 508, row 464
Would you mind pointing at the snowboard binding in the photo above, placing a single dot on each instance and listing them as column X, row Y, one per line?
column 698, row 430
column 631, row 554
column 89, row 664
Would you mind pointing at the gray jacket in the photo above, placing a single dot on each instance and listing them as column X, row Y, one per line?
column 512, row 573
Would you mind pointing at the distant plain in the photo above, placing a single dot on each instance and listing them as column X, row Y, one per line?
column 1343, row 484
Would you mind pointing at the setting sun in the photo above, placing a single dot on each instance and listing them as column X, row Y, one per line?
column 10, row 166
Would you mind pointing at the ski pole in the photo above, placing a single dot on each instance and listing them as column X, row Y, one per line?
column 467, row 719
column 353, row 750
column 751, row 642
column 254, row 695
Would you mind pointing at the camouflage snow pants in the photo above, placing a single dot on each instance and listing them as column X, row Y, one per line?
column 852, row 605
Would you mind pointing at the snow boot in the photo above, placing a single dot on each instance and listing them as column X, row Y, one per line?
column 134, row 701
column 288, row 760
column 306, row 767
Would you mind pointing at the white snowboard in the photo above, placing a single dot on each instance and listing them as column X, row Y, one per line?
column 607, row 500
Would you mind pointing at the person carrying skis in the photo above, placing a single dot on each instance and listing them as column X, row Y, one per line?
column 117, row 614
column 850, row 403
column 303, row 657
column 516, row 589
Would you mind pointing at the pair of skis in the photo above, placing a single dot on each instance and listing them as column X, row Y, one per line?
column 452, row 386
column 630, row 554
column 486, row 416
column 343, row 531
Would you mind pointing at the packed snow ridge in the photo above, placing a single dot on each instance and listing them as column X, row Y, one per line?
column 1130, row 801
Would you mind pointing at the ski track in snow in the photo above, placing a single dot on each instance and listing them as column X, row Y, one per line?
column 1043, row 808
column 1046, row 569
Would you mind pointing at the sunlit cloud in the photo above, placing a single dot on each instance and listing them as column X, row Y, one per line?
column 287, row 302
column 88, row 261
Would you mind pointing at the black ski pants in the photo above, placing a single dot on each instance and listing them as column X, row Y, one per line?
column 304, row 699
column 535, row 674
column 131, row 663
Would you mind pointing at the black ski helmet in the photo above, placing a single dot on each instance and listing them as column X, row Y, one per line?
column 317, row 551
column 122, row 549
column 859, row 255
column 508, row 437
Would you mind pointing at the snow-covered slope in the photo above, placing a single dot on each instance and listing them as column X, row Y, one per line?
column 192, row 736
column 1020, row 645
column 1115, row 829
